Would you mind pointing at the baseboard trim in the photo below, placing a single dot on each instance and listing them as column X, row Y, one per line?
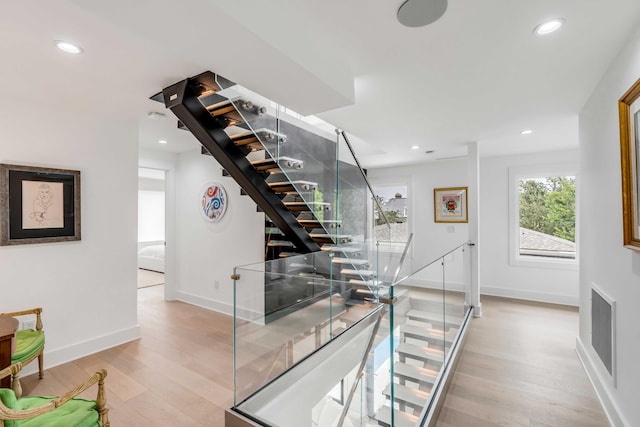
column 614, row 415
column 76, row 351
column 530, row 296
column 218, row 306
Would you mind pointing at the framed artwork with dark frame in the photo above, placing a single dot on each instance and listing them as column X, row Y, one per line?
column 38, row 205
column 450, row 204
column 629, row 109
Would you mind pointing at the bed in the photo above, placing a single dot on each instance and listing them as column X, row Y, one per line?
column 151, row 256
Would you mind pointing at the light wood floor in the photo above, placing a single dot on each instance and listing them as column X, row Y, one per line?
column 519, row 368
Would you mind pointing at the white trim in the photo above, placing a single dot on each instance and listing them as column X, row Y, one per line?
column 530, row 171
column 611, row 409
column 220, row 307
column 76, row 351
column 530, row 296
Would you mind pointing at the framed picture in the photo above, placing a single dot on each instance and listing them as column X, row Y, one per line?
column 450, row 204
column 38, row 205
column 629, row 109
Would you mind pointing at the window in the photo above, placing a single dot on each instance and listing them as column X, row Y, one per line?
column 543, row 215
column 394, row 203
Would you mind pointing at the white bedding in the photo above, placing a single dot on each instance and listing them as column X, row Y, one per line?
column 151, row 256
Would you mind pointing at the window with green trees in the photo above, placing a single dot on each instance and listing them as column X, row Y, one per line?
column 547, row 217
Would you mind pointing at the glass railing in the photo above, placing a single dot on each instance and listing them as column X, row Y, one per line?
column 405, row 342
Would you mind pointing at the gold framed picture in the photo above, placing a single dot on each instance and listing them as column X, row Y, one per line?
column 629, row 109
column 450, row 204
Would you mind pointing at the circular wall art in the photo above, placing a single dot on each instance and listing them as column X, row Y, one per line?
column 213, row 202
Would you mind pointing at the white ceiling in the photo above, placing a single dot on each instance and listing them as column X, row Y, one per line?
column 477, row 74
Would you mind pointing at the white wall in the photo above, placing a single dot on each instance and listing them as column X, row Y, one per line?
column 430, row 239
column 207, row 252
column 558, row 285
column 86, row 288
column 605, row 262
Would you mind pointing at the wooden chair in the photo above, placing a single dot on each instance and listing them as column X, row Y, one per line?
column 29, row 342
column 41, row 411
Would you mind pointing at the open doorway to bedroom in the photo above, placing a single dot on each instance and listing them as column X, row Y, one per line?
column 151, row 227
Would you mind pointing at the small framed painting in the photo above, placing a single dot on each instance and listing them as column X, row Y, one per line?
column 38, row 205
column 450, row 204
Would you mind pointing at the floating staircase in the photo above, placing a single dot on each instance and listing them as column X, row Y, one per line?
column 291, row 184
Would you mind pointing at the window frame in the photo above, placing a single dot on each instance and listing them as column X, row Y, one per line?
column 537, row 171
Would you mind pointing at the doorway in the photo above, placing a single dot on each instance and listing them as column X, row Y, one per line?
column 151, row 227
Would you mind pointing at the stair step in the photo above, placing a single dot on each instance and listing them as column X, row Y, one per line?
column 255, row 140
column 355, row 262
column 344, row 249
column 413, row 397
column 401, row 419
column 427, row 332
column 361, row 273
column 281, row 243
column 417, row 352
column 414, row 373
column 307, row 206
column 330, row 238
column 370, row 283
column 288, row 255
column 226, row 109
column 277, row 163
column 426, row 316
column 293, row 186
column 316, row 223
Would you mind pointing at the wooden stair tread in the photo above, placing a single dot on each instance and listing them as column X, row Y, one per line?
column 415, row 373
column 288, row 186
column 276, row 163
column 316, row 223
column 337, row 260
column 426, row 316
column 306, row 206
column 363, row 273
column 282, row 243
column 420, row 352
column 365, row 282
column 343, row 249
column 413, row 397
column 428, row 332
column 401, row 419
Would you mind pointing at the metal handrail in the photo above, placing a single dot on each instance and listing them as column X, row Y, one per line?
column 364, row 175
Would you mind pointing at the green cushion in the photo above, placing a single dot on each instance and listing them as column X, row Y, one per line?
column 28, row 343
column 8, row 398
column 76, row 412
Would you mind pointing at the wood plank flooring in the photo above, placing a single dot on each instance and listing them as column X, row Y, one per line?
column 519, row 368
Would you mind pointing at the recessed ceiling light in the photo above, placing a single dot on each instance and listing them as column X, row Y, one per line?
column 526, row 132
column 68, row 47
column 548, row 27
column 415, row 147
column 162, row 141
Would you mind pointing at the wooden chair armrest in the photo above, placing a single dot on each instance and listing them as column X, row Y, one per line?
column 98, row 377
column 37, row 311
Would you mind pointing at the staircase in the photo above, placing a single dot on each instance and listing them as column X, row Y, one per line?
column 290, row 172
column 425, row 334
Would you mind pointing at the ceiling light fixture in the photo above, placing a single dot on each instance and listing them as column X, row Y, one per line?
column 68, row 47
column 526, row 132
column 415, row 147
column 418, row 13
column 162, row 141
column 548, row 27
